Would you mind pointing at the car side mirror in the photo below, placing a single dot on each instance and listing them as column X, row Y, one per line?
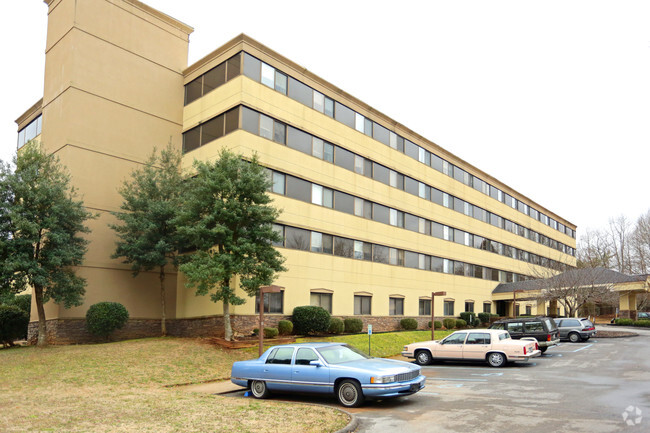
column 316, row 363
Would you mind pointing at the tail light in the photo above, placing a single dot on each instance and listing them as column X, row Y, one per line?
column 589, row 329
column 536, row 346
column 548, row 337
column 524, row 350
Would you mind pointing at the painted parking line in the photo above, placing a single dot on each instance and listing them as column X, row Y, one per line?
column 583, row 348
column 452, row 379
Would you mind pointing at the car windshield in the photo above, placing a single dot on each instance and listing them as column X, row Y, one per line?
column 341, row 354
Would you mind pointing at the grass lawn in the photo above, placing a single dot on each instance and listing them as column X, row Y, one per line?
column 123, row 387
column 120, row 387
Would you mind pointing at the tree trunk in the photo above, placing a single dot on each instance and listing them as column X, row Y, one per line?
column 226, row 320
column 163, row 326
column 42, row 327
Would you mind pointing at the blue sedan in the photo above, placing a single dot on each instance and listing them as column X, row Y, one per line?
column 327, row 368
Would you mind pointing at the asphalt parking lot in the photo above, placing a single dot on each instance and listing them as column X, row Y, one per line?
column 602, row 385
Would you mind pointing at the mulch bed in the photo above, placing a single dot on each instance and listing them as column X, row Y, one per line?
column 615, row 334
column 247, row 342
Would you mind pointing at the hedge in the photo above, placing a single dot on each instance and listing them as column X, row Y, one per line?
column 449, row 323
column 285, row 327
column 104, row 318
column 270, row 332
column 409, row 324
column 336, row 326
column 460, row 323
column 13, row 324
column 437, row 324
column 310, row 319
column 353, row 326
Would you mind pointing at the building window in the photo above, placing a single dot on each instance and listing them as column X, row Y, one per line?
column 487, row 307
column 362, row 304
column 529, row 310
column 425, row 307
column 273, row 303
column 396, row 306
column 323, row 300
column 469, row 306
column 449, row 308
column 517, row 310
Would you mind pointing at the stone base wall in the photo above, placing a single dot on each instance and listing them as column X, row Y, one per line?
column 627, row 314
column 73, row 331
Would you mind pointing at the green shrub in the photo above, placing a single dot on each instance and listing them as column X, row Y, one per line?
column 624, row 322
column 645, row 323
column 310, row 320
column 24, row 302
column 449, row 323
column 484, row 318
column 409, row 324
column 285, row 327
column 104, row 318
column 336, row 326
column 270, row 332
column 256, row 331
column 353, row 325
column 13, row 324
column 468, row 317
column 437, row 324
column 460, row 323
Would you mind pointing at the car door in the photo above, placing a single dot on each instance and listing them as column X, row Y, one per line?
column 277, row 369
column 451, row 347
column 307, row 377
column 476, row 345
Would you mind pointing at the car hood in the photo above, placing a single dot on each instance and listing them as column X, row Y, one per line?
column 380, row 365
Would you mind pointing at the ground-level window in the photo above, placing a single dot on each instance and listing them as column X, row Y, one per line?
column 517, row 310
column 273, row 303
column 425, row 307
column 362, row 304
column 529, row 310
column 396, row 306
column 449, row 308
column 323, row 300
column 487, row 307
column 469, row 306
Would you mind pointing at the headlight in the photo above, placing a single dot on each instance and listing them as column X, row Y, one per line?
column 405, row 348
column 382, row 379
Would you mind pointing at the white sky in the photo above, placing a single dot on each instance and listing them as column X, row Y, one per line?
column 550, row 97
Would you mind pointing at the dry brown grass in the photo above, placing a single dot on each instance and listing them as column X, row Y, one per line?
column 120, row 387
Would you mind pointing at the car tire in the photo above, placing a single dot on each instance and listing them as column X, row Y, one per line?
column 574, row 337
column 585, row 338
column 349, row 393
column 259, row 389
column 543, row 349
column 496, row 359
column 423, row 357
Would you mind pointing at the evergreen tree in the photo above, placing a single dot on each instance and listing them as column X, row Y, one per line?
column 228, row 218
column 148, row 236
column 41, row 227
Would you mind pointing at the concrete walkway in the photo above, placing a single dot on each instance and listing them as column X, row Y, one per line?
column 218, row 387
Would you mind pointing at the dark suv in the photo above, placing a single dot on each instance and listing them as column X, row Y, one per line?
column 542, row 329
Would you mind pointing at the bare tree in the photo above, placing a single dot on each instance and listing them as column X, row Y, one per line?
column 619, row 233
column 594, row 250
column 640, row 245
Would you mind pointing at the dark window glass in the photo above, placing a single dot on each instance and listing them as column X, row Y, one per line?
column 478, row 271
column 273, row 303
column 344, row 158
column 343, row 247
column 437, row 196
column 280, row 133
column 487, row 307
column 411, row 186
column 437, row 230
column 344, row 114
column 437, row 264
column 280, row 231
column 459, row 269
column 362, row 304
column 214, row 78
column 344, row 202
column 232, row 120
column 448, row 308
column 396, row 306
column 280, row 82
column 494, row 192
column 297, row 239
column 194, row 90
column 281, row 355
column 425, row 307
column 469, row 307
column 400, row 144
column 411, row 149
column 233, row 67
column 191, row 139
column 250, row 120
column 329, row 107
column 299, row 140
column 252, row 67
column 380, row 173
column 380, row 254
column 459, row 174
column 298, row 189
column 411, row 222
column 300, row 92
column 459, row 205
column 380, row 213
column 380, row 133
column 304, row 355
column 212, row 129
column 436, row 162
column 411, row 259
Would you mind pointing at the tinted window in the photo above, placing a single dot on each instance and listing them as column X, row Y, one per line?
column 233, row 66
column 455, row 338
column 515, row 327
column 299, row 140
column 304, row 356
column 534, row 327
column 297, row 238
column 298, row 189
column 478, row 338
column 380, row 173
column 193, row 90
column 344, row 115
column 281, row 355
column 300, row 92
column 380, row 133
column 343, row 202
column 344, row 158
column 252, row 67
column 497, row 326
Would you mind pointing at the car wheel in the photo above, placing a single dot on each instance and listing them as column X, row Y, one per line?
column 574, row 337
column 259, row 389
column 423, row 357
column 349, row 393
column 496, row 359
column 543, row 349
column 585, row 338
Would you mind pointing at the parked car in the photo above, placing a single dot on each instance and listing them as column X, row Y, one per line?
column 643, row 315
column 575, row 330
column 493, row 346
column 327, row 368
column 542, row 329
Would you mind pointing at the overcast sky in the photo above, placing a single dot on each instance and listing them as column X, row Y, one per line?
column 550, row 97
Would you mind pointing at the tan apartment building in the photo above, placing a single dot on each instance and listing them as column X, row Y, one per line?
column 374, row 216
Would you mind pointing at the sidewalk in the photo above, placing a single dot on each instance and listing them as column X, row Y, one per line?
column 220, row 387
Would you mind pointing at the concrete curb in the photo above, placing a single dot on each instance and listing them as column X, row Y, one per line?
column 352, row 425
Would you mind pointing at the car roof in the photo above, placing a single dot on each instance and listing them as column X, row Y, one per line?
column 521, row 319
column 489, row 331
column 313, row 345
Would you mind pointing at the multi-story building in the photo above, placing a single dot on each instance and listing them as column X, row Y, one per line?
column 374, row 216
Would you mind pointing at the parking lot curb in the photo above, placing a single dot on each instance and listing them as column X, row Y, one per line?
column 352, row 425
